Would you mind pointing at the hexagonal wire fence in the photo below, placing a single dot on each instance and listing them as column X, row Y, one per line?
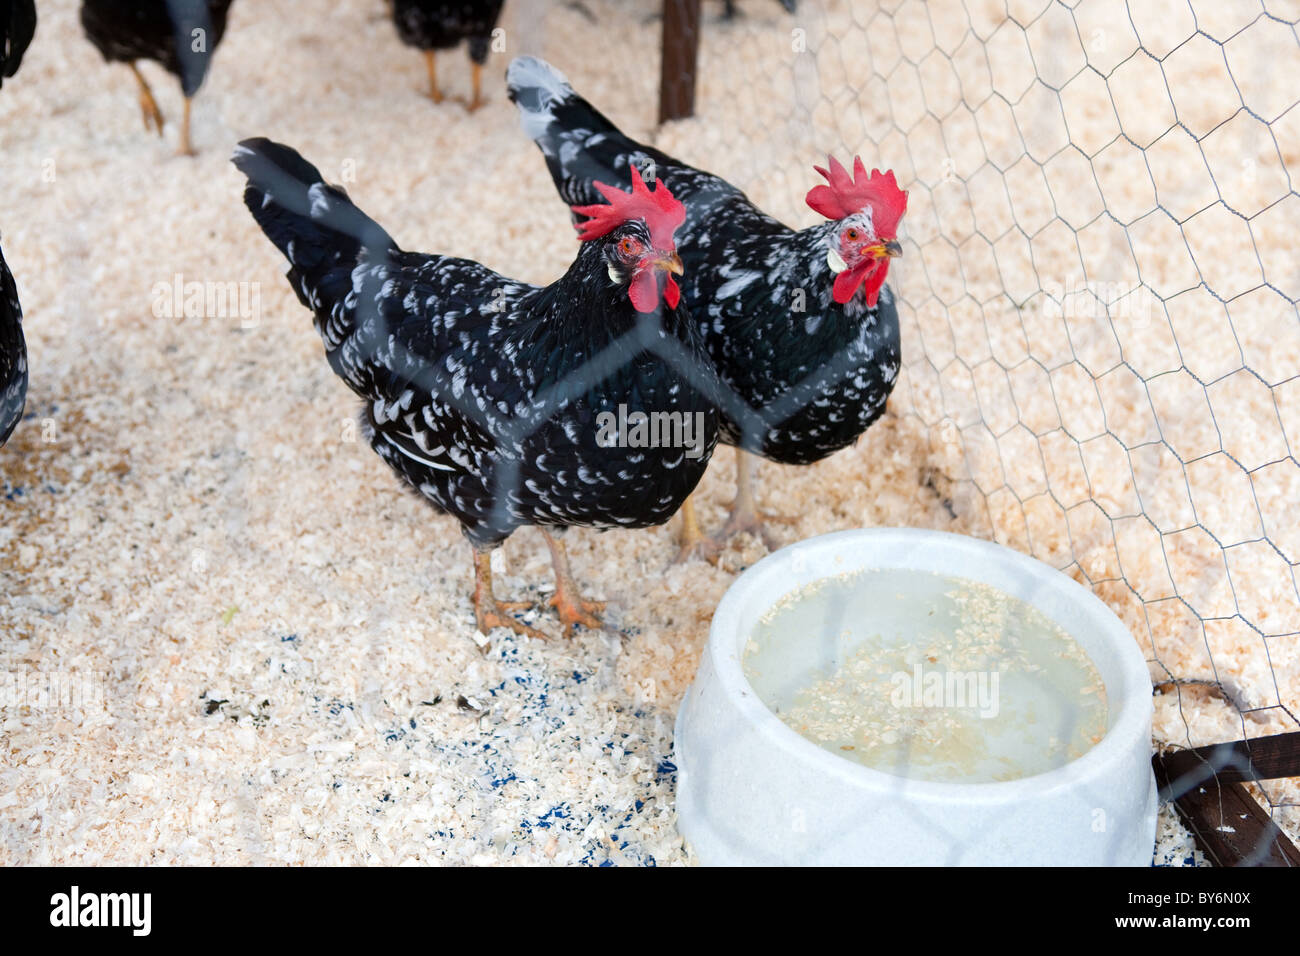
column 1101, row 351
column 1098, row 296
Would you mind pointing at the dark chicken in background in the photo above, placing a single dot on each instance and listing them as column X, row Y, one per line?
column 433, row 25
column 484, row 393
column 13, row 355
column 730, row 11
column 17, row 26
column 799, row 324
column 181, row 35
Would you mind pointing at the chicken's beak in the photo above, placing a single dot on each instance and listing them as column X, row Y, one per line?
column 669, row 262
column 886, row 250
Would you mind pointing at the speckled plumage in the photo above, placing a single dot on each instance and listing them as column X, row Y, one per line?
column 482, row 392
column 13, row 355
column 17, row 27
column 818, row 373
column 161, row 30
column 441, row 24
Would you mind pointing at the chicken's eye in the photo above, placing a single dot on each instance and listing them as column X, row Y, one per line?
column 852, row 235
column 629, row 247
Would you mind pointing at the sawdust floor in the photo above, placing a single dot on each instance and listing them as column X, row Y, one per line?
column 285, row 638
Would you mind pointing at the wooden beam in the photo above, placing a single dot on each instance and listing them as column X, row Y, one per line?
column 1263, row 758
column 1228, row 824
column 679, row 63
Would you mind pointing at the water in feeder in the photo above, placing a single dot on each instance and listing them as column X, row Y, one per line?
column 927, row 676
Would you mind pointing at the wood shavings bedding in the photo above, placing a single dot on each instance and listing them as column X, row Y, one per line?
column 284, row 638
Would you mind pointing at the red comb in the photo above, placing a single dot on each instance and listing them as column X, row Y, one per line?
column 661, row 212
column 845, row 196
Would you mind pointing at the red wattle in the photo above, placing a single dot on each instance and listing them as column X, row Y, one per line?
column 644, row 292
column 872, row 272
column 847, row 282
column 672, row 294
column 875, row 282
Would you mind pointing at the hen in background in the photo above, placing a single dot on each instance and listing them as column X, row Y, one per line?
column 433, row 25
column 799, row 323
column 181, row 35
column 13, row 355
column 487, row 395
column 17, row 26
column 730, row 10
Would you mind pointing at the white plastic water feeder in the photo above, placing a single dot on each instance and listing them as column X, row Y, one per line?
column 752, row 790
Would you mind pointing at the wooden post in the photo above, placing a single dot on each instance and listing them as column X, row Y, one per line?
column 681, row 48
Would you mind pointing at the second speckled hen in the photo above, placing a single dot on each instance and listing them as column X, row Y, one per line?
column 800, row 324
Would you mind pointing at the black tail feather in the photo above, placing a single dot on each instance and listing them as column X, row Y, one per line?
column 581, row 146
column 315, row 226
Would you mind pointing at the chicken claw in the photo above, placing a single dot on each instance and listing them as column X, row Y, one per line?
column 488, row 611
column 569, row 604
column 693, row 542
column 745, row 516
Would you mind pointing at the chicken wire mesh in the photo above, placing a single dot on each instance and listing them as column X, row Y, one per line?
column 1097, row 297
column 1099, row 332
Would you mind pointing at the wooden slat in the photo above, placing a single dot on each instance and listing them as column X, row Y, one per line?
column 1263, row 758
column 1228, row 824
column 681, row 47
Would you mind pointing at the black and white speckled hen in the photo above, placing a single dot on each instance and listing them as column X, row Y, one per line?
column 433, row 25
column 799, row 323
column 17, row 27
column 13, row 355
column 181, row 35
column 491, row 397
